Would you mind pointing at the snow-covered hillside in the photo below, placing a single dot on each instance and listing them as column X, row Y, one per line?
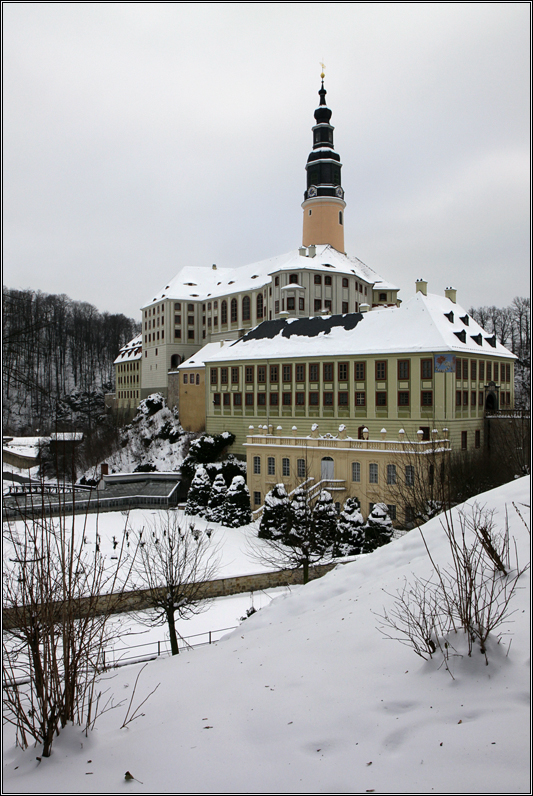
column 307, row 696
column 154, row 440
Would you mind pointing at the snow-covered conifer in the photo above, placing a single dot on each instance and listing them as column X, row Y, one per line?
column 349, row 529
column 199, row 492
column 217, row 497
column 378, row 529
column 325, row 519
column 236, row 507
column 275, row 518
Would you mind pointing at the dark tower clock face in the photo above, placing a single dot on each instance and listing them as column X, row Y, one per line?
column 338, row 192
column 312, row 191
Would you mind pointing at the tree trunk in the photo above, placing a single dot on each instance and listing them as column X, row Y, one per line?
column 306, row 571
column 172, row 631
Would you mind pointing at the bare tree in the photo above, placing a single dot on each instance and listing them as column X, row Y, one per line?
column 174, row 560
column 55, row 626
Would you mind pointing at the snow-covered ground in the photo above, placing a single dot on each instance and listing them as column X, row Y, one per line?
column 112, row 529
column 307, row 696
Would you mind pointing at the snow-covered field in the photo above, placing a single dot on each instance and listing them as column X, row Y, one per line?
column 307, row 696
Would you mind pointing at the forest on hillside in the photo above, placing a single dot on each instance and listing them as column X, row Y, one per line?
column 512, row 327
column 57, row 360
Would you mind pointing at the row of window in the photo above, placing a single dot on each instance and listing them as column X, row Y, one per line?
column 192, row 378
column 124, row 394
column 311, row 372
column 132, row 379
column 125, row 367
column 392, row 474
column 285, row 467
column 328, row 398
column 151, row 337
column 462, row 398
column 491, row 371
column 160, row 308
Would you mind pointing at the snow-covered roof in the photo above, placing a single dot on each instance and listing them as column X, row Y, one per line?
column 424, row 324
column 130, row 351
column 201, row 284
column 198, row 360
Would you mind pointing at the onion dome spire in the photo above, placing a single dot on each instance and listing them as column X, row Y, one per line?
column 323, row 164
column 323, row 203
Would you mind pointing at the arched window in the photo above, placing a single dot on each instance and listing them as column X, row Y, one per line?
column 245, row 309
column 259, row 306
column 224, row 312
column 175, row 360
column 340, row 217
column 234, row 310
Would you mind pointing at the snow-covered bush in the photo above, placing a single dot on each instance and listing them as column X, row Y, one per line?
column 206, row 448
column 237, row 510
column 199, row 492
column 217, row 497
column 378, row 528
column 325, row 519
column 349, row 529
column 275, row 520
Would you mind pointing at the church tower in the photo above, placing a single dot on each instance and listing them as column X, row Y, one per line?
column 324, row 203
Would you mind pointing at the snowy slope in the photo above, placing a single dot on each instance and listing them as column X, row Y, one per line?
column 308, row 697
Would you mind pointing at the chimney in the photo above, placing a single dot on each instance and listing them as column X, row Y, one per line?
column 421, row 286
column 451, row 293
column 302, row 251
column 312, row 250
column 213, row 267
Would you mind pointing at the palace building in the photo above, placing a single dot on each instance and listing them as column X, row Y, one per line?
column 313, row 362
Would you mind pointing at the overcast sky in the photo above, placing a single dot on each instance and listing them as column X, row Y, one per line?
column 139, row 138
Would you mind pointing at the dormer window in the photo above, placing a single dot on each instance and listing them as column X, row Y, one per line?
column 449, row 315
column 464, row 319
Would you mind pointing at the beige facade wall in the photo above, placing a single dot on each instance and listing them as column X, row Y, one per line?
column 192, row 398
column 337, row 400
column 128, row 380
column 323, row 222
column 368, row 469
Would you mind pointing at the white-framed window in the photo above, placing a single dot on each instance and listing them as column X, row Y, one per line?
column 409, row 475
column 300, row 468
column 285, row 467
column 391, row 473
column 271, row 466
column 392, row 512
column 257, row 465
column 373, row 473
column 257, row 498
column 356, row 471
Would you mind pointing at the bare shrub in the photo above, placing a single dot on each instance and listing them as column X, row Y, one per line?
column 55, row 626
column 471, row 595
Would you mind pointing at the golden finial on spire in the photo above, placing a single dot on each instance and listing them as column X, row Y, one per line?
column 322, row 75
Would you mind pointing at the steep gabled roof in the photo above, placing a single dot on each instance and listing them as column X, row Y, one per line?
column 130, row 351
column 201, row 284
column 424, row 324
